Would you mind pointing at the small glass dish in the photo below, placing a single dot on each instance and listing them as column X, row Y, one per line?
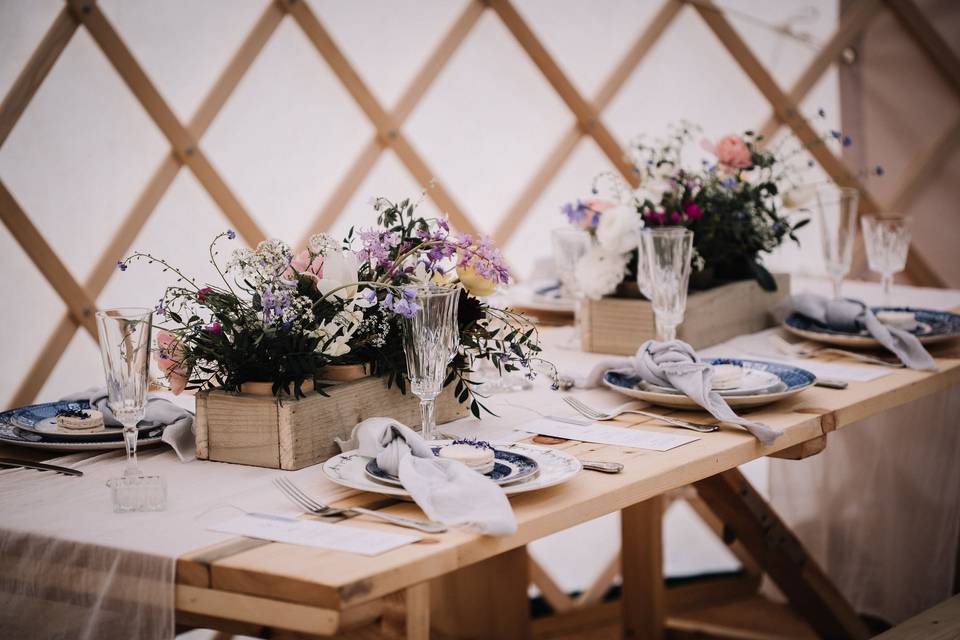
column 138, row 493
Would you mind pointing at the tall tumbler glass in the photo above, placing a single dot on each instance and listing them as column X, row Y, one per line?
column 887, row 241
column 125, row 349
column 837, row 213
column 430, row 340
column 667, row 252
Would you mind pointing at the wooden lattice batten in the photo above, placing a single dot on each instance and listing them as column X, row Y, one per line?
column 184, row 139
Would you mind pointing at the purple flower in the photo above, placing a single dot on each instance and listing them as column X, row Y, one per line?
column 231, row 234
column 121, row 265
column 377, row 245
column 370, row 296
column 878, row 170
column 483, row 257
column 729, row 183
column 405, row 308
column 821, row 112
column 836, row 134
column 215, row 328
column 203, row 293
column 847, row 141
column 675, row 217
column 409, row 294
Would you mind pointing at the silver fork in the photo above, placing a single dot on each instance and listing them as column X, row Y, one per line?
column 595, row 414
column 806, row 350
column 299, row 497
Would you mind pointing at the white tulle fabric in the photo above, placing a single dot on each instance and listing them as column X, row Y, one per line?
column 72, row 569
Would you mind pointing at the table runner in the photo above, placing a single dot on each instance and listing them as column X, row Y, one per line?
column 125, row 585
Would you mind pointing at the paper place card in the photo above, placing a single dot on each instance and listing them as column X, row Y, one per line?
column 311, row 533
column 605, row 434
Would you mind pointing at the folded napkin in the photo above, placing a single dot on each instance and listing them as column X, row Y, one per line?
column 852, row 316
column 448, row 491
column 675, row 364
column 158, row 412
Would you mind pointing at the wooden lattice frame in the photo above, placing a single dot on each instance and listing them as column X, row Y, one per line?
column 80, row 299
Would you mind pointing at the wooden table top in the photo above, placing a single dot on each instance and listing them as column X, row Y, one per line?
column 339, row 582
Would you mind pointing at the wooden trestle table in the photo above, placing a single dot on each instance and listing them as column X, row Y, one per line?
column 466, row 585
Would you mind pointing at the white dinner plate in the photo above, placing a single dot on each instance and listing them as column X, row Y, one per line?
column 349, row 470
column 754, row 382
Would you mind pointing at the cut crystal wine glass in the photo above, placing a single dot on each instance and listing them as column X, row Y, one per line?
column 887, row 241
column 569, row 245
column 837, row 215
column 667, row 252
column 124, row 336
column 431, row 338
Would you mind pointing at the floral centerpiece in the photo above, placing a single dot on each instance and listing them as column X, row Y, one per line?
column 740, row 202
column 283, row 317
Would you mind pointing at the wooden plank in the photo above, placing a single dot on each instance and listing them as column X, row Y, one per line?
column 750, row 618
column 340, row 580
column 418, row 611
column 725, row 535
column 641, row 550
column 587, row 117
column 183, row 143
column 557, row 598
column 484, row 600
column 925, row 167
column 387, row 127
column 941, row 622
column 35, row 71
column 852, row 23
column 260, row 611
column 803, row 450
column 778, row 552
column 81, row 307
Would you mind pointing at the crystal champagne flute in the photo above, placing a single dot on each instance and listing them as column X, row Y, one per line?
column 837, row 214
column 569, row 245
column 667, row 252
column 887, row 241
column 124, row 336
column 430, row 340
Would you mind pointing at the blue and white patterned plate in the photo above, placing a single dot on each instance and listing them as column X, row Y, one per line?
column 932, row 326
column 35, row 426
column 508, row 467
column 555, row 466
column 793, row 380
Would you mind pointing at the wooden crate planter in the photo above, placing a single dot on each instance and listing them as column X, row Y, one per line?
column 621, row 325
column 258, row 430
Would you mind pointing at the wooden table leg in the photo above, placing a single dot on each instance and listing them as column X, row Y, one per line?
column 418, row 611
column 484, row 600
column 779, row 553
column 641, row 529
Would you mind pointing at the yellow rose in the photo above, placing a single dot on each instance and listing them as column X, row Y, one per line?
column 475, row 283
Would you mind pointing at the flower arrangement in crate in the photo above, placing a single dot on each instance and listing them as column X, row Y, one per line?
column 739, row 203
column 284, row 317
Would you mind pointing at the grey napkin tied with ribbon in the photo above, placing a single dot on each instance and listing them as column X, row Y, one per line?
column 675, row 364
column 851, row 316
column 159, row 412
column 447, row 490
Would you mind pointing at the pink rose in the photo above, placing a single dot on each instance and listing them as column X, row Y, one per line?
column 169, row 356
column 732, row 151
column 303, row 263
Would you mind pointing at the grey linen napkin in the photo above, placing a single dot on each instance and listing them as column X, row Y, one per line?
column 446, row 490
column 675, row 364
column 158, row 412
column 852, row 316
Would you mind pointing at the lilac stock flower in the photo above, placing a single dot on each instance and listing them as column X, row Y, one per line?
column 377, row 245
column 405, row 308
column 274, row 303
column 483, row 257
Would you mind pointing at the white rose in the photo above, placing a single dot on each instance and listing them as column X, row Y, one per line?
column 619, row 229
column 339, row 268
column 599, row 272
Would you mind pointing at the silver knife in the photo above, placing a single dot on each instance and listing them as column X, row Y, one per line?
column 39, row 466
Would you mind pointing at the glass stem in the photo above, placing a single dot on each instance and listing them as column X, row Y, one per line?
column 428, row 421
column 836, row 287
column 130, row 439
column 577, row 321
column 886, row 280
column 666, row 332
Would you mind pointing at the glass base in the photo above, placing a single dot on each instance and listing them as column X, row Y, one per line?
column 138, row 493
